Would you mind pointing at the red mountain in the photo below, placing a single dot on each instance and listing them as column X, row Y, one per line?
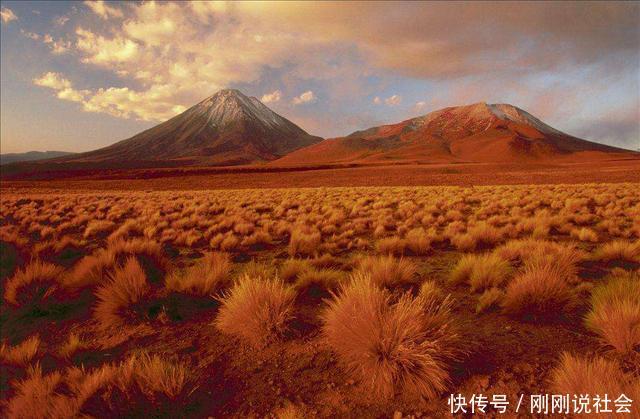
column 473, row 133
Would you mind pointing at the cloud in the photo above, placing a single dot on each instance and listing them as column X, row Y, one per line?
column 377, row 100
column 420, row 105
column 274, row 96
column 153, row 104
column 30, row 35
column 103, row 10
column 61, row 20
column 305, row 97
column 57, row 46
column 7, row 15
column 393, row 100
column 53, row 81
column 101, row 51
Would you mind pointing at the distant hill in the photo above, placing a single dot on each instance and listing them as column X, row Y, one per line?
column 474, row 133
column 227, row 128
column 31, row 156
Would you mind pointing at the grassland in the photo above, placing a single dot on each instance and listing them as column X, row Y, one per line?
column 325, row 302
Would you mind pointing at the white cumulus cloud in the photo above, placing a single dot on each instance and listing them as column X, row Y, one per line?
column 103, row 10
column 274, row 96
column 7, row 15
column 393, row 100
column 306, row 97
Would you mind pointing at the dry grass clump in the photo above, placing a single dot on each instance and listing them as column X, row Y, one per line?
column 597, row 375
column 98, row 228
column 93, row 269
column 430, row 290
column 391, row 246
column 256, row 310
column 489, row 299
column 154, row 374
column 481, row 271
column 482, row 234
column 541, row 290
column 291, row 269
column 615, row 313
column 316, row 282
column 32, row 284
column 418, row 241
column 401, row 347
column 73, row 344
column 387, row 271
column 304, row 241
column 126, row 287
column 204, row 278
column 618, row 250
column 36, row 398
column 585, row 234
column 22, row 353
column 72, row 393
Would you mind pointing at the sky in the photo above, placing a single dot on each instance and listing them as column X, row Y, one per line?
column 76, row 76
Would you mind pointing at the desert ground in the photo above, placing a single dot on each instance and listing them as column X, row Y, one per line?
column 171, row 297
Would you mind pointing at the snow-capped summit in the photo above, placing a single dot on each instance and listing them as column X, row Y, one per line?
column 225, row 128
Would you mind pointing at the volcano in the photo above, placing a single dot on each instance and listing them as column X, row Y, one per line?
column 473, row 133
column 227, row 128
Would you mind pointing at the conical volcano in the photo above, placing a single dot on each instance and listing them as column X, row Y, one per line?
column 224, row 129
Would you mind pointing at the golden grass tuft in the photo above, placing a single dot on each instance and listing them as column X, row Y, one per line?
column 489, row 299
column 317, row 281
column 388, row 271
column 204, row 278
column 541, row 290
column 32, row 284
column 304, row 241
column 291, row 269
column 597, row 375
column 615, row 313
column 392, row 348
column 481, row 271
column 154, row 374
column 22, row 353
column 618, row 250
column 127, row 286
column 256, row 310
column 73, row 344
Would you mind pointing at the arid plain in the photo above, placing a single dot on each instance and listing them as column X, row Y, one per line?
column 139, row 296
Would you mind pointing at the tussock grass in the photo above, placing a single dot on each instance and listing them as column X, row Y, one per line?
column 597, row 375
column 72, row 392
column 489, row 299
column 540, row 291
column 388, row 271
column 127, row 286
column 22, row 353
column 73, row 344
column 304, row 241
column 401, row 347
column 481, row 271
column 318, row 281
column 256, row 310
column 618, row 250
column 615, row 313
column 291, row 269
column 204, row 278
column 34, row 283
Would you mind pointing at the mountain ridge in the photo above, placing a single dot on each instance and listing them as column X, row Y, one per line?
column 477, row 132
